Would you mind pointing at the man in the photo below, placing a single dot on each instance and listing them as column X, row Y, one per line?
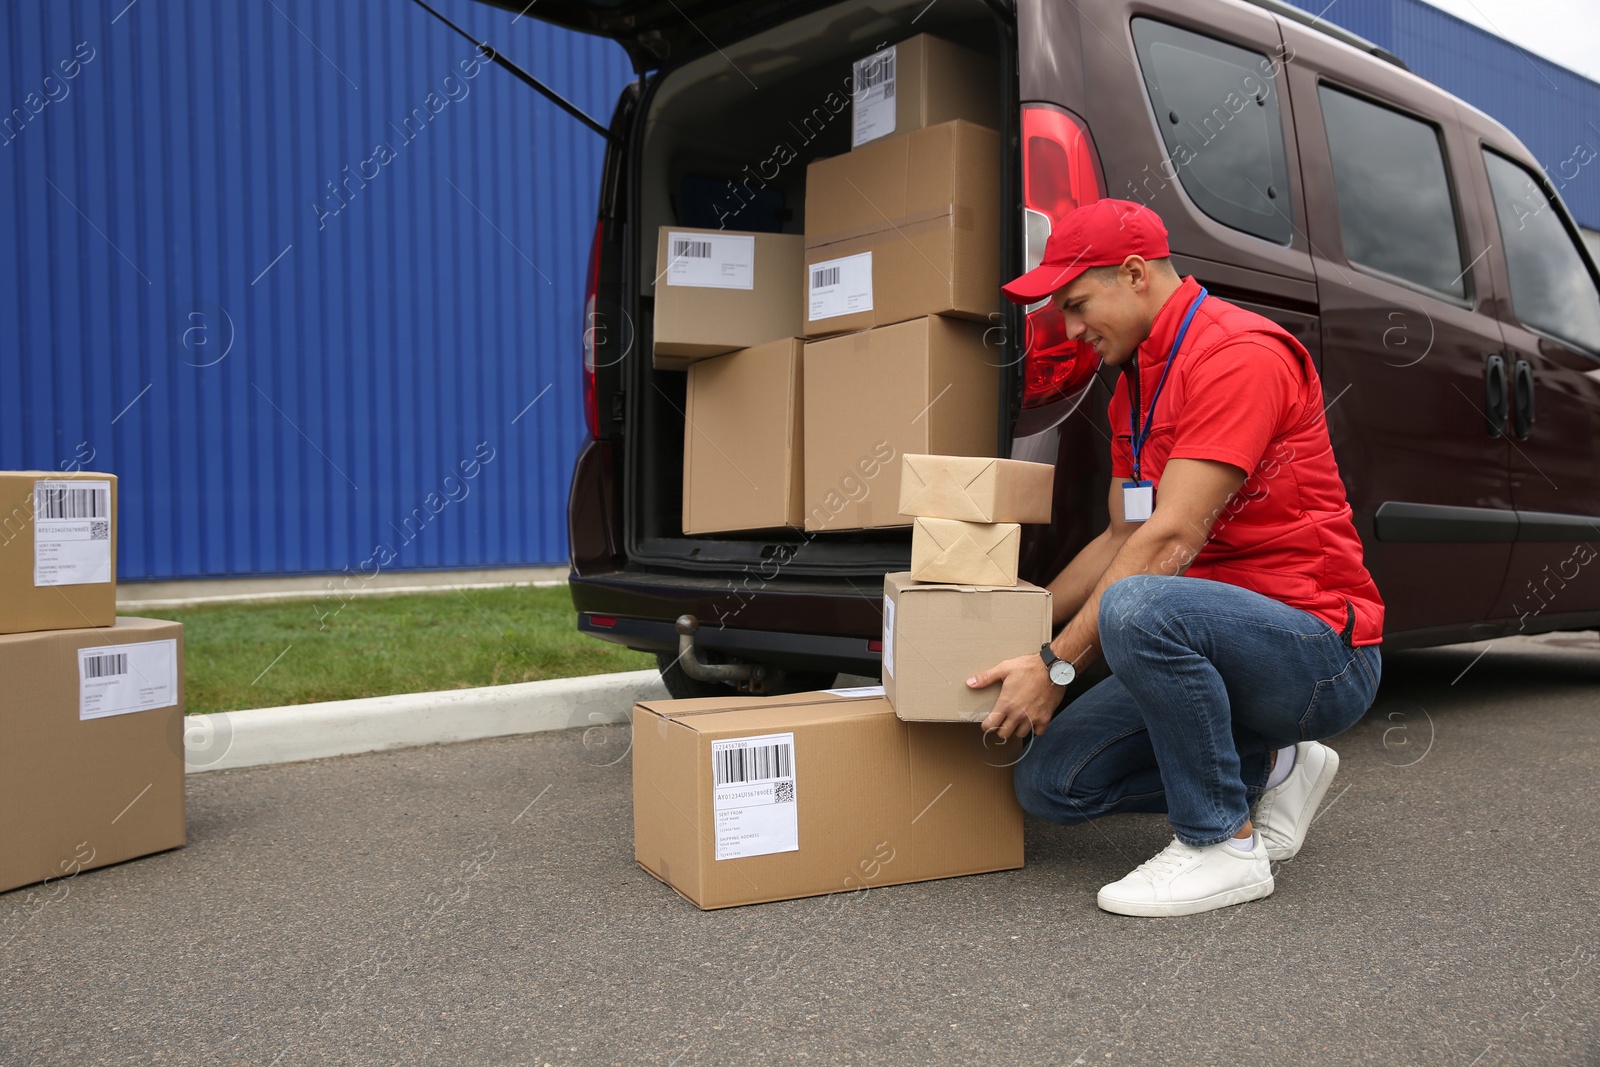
column 1227, row 594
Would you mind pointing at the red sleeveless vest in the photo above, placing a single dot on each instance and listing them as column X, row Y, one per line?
column 1288, row 533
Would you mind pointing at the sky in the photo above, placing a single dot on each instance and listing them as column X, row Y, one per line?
column 1563, row 31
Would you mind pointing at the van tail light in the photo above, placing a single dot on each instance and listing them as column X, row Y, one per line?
column 591, row 400
column 1059, row 173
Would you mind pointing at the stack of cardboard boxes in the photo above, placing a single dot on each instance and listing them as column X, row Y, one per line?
column 815, row 361
column 739, row 800
column 841, row 380
column 961, row 608
column 91, row 705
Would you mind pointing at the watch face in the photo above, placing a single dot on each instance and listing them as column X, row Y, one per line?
column 1061, row 672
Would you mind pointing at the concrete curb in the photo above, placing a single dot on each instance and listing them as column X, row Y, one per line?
column 187, row 592
column 130, row 607
column 258, row 736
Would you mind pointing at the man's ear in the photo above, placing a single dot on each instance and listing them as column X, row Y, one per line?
column 1138, row 272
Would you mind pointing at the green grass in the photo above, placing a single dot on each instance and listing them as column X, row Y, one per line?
column 297, row 652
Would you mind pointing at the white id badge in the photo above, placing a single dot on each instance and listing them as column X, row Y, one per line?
column 1138, row 501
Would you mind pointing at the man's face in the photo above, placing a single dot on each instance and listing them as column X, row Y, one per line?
column 1111, row 318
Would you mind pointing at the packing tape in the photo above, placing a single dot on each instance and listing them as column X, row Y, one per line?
column 977, row 606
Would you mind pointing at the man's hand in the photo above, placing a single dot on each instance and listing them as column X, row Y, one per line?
column 1028, row 697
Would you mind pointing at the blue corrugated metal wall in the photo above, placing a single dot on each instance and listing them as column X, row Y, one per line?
column 1554, row 111
column 293, row 271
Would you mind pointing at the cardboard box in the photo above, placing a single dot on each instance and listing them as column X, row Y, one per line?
column 742, row 439
column 719, row 291
column 975, row 489
column 58, row 550
column 929, row 385
column 905, row 226
column 740, row 800
column 965, row 553
column 922, row 82
column 91, row 748
column 935, row 637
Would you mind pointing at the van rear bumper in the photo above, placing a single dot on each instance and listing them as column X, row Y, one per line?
column 823, row 625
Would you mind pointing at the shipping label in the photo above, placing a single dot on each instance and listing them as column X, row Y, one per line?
column 118, row 679
column 71, row 532
column 753, row 796
column 856, row 691
column 888, row 637
column 840, row 286
column 711, row 260
column 874, row 97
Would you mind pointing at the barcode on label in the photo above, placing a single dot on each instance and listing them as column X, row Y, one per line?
column 824, row 276
column 753, row 764
column 682, row 248
column 875, row 71
column 105, row 666
column 61, row 502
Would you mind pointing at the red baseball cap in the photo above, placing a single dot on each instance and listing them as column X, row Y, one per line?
column 1101, row 234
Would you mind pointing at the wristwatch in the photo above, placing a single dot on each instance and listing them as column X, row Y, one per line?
column 1061, row 672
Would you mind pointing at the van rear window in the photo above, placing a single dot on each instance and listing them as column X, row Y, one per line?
column 1217, row 108
column 1396, row 211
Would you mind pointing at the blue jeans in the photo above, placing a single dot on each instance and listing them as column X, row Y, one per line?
column 1209, row 679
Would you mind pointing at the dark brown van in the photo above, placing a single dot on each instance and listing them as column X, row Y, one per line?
column 1409, row 241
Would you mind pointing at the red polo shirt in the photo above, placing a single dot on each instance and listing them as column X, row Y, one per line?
column 1243, row 391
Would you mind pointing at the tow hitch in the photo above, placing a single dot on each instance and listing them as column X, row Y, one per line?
column 754, row 678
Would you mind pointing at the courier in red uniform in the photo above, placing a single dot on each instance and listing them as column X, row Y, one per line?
column 1227, row 594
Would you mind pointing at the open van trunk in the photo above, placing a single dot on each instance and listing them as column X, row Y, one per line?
column 722, row 142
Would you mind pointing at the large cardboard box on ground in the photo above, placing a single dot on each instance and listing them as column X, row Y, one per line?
column 965, row 553
column 905, row 226
column 719, row 291
column 740, row 800
column 58, row 550
column 976, row 490
column 920, row 82
column 928, row 385
column 91, row 748
column 935, row 637
column 742, row 441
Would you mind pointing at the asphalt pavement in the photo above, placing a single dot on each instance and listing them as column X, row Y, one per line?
column 478, row 903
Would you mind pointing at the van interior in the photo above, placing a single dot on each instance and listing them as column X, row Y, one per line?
column 724, row 143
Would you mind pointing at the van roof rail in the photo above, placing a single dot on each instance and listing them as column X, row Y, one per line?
column 1305, row 18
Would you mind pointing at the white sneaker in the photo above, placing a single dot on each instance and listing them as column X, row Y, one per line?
column 1182, row 880
column 1283, row 813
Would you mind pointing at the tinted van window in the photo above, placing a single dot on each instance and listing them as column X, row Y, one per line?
column 1396, row 211
column 1551, row 290
column 1217, row 108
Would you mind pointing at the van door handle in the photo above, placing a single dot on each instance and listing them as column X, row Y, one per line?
column 1522, row 389
column 1494, row 383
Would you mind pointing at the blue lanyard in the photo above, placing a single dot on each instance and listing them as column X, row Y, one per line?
column 1137, row 439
